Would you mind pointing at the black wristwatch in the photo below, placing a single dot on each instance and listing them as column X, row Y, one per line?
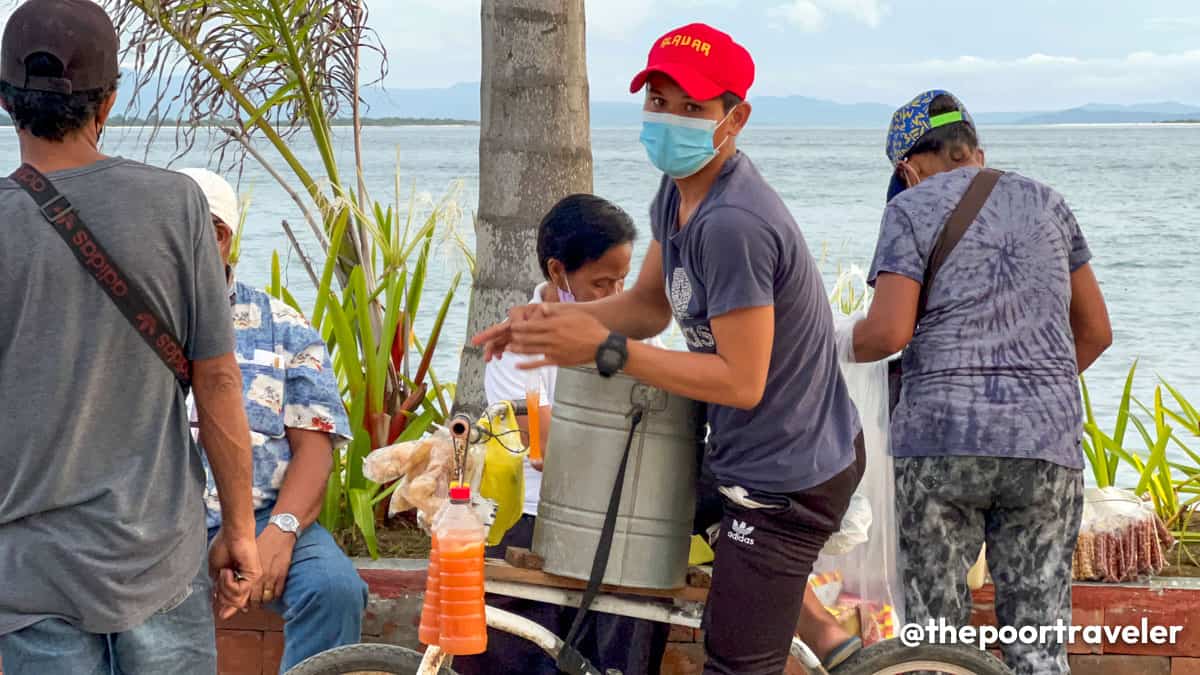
column 612, row 354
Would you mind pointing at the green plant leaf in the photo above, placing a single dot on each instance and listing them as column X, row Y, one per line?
column 347, row 348
column 1087, row 401
column 331, row 505
column 417, row 428
column 1158, row 452
column 276, row 288
column 1141, row 427
column 325, row 291
column 290, row 301
column 417, row 284
column 438, row 389
column 384, row 493
column 1124, row 455
column 1193, row 416
column 1123, row 410
column 364, row 518
column 358, row 296
column 383, row 355
column 356, row 452
column 435, row 333
column 1190, row 470
column 282, row 95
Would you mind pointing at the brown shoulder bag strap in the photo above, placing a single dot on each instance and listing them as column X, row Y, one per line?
column 128, row 298
column 956, row 226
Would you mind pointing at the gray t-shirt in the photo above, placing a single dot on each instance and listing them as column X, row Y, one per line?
column 101, row 514
column 991, row 368
column 742, row 249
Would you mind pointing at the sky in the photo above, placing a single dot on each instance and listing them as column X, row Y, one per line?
column 996, row 55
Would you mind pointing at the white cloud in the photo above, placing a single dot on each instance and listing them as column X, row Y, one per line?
column 1036, row 81
column 615, row 19
column 1173, row 23
column 812, row 15
column 804, row 14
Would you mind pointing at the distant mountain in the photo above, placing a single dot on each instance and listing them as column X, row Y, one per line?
column 991, row 118
column 1099, row 113
column 797, row 111
column 461, row 102
column 1166, row 106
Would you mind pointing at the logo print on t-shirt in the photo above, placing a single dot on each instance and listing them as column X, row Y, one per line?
column 680, row 294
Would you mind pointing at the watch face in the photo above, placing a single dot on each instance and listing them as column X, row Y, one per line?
column 287, row 522
column 609, row 360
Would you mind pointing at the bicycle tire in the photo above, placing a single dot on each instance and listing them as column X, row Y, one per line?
column 892, row 657
column 364, row 658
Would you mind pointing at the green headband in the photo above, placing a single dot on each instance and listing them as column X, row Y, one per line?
column 945, row 118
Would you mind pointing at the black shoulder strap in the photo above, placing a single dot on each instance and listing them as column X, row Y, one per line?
column 956, row 226
column 128, row 298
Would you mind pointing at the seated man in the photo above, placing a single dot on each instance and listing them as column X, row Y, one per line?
column 296, row 419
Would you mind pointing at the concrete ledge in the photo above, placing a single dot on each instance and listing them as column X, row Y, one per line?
column 251, row 643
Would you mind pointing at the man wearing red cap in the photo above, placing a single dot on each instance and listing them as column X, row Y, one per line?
column 730, row 264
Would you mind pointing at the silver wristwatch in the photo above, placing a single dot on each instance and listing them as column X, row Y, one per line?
column 287, row 523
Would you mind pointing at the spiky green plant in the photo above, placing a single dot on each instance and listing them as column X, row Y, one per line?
column 276, row 69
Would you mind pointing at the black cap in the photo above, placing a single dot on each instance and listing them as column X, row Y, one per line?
column 76, row 32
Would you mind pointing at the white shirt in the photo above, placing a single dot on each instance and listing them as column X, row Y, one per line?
column 504, row 381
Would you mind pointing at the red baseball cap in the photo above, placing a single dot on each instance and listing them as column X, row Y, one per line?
column 702, row 60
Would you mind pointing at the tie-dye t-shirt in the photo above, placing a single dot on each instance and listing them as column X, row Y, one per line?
column 991, row 368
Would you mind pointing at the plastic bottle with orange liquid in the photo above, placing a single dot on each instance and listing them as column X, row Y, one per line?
column 533, row 403
column 429, row 631
column 461, row 537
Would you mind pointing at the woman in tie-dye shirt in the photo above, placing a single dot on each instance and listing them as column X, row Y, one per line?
column 986, row 434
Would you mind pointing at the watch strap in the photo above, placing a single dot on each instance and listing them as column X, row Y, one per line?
column 616, row 344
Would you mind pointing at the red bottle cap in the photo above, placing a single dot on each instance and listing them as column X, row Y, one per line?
column 460, row 493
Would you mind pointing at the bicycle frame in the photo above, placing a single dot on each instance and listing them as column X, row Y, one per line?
column 679, row 614
column 685, row 614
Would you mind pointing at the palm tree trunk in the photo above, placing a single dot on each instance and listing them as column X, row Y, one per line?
column 534, row 149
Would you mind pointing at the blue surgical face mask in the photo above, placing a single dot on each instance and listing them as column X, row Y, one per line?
column 680, row 146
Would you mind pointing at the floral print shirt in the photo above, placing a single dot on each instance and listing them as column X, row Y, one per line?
column 287, row 382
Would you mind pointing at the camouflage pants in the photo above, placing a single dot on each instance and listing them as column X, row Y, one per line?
column 1027, row 511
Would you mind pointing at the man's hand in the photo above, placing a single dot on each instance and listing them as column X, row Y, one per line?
column 275, row 549
column 562, row 335
column 233, row 565
column 495, row 340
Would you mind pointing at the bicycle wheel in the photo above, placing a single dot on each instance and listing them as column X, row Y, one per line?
column 363, row 659
column 892, row 657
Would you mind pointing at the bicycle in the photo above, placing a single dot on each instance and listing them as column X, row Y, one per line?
column 889, row 657
column 682, row 608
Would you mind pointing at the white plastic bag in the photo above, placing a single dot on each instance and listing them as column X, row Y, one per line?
column 870, row 573
column 856, row 526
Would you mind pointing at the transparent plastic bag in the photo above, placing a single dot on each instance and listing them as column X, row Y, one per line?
column 869, row 571
column 1120, row 537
